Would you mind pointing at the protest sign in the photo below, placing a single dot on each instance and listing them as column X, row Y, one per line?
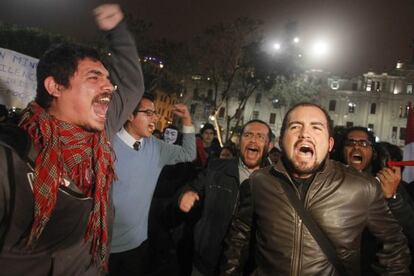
column 17, row 78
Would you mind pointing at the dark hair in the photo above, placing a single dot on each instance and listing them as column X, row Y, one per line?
column 147, row 96
column 274, row 150
column 179, row 140
column 370, row 134
column 305, row 104
column 385, row 152
column 60, row 61
column 230, row 146
column 3, row 110
column 269, row 134
column 207, row 126
column 171, row 127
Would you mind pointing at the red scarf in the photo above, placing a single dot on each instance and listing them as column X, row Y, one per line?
column 65, row 150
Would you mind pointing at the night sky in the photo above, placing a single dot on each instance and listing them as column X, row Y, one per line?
column 363, row 34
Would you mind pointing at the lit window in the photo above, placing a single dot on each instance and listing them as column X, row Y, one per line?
column 255, row 115
column 351, row 108
column 409, row 88
column 369, row 83
column 402, row 133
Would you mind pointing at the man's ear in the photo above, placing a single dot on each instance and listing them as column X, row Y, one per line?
column 130, row 117
column 52, row 87
column 331, row 143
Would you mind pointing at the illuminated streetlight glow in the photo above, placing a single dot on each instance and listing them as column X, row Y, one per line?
column 296, row 40
column 320, row 48
column 276, row 46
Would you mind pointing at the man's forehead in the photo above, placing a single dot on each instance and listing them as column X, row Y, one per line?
column 256, row 127
column 146, row 103
column 307, row 114
column 358, row 134
column 89, row 65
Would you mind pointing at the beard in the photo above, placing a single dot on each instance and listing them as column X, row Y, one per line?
column 301, row 169
column 261, row 162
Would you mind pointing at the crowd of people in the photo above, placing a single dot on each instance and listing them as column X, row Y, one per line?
column 89, row 186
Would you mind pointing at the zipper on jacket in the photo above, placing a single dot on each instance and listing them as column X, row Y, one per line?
column 297, row 243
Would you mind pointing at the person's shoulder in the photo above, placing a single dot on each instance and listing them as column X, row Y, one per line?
column 352, row 175
column 15, row 138
column 218, row 164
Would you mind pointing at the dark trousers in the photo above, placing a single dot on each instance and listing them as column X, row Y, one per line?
column 132, row 262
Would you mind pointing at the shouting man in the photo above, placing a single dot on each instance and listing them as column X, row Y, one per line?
column 340, row 200
column 57, row 168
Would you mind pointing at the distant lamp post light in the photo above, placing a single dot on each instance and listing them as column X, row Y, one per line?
column 320, row 48
column 296, row 40
column 276, row 46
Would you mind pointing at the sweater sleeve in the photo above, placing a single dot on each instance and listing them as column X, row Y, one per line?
column 173, row 154
column 126, row 74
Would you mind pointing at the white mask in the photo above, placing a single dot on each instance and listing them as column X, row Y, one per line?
column 170, row 135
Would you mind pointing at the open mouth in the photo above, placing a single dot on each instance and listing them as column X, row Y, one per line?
column 356, row 158
column 252, row 150
column 305, row 150
column 100, row 104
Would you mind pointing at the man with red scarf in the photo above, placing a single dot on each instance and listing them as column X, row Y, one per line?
column 57, row 167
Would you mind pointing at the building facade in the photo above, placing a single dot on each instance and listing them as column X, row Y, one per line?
column 376, row 101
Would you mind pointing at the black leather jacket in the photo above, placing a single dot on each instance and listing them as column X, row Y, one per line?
column 342, row 201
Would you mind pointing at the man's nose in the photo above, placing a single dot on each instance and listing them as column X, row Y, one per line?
column 304, row 132
column 108, row 86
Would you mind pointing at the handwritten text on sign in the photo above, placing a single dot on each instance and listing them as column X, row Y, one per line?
column 17, row 78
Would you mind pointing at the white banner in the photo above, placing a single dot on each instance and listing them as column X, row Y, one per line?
column 17, row 78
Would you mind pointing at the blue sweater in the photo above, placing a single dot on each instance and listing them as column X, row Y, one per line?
column 137, row 174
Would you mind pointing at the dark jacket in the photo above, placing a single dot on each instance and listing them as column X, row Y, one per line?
column 342, row 202
column 61, row 249
column 402, row 207
column 218, row 188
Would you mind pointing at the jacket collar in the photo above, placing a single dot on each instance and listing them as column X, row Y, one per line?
column 280, row 168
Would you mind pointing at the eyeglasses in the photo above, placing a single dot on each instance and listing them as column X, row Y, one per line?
column 361, row 143
column 149, row 112
column 259, row 136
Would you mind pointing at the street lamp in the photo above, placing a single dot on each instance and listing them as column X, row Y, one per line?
column 276, row 46
column 320, row 48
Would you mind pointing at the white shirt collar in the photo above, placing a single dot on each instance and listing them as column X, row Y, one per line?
column 127, row 138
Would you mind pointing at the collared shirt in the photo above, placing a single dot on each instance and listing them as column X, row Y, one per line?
column 127, row 138
column 244, row 172
column 130, row 141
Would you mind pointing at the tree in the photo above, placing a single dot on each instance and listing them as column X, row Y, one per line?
column 29, row 41
column 222, row 55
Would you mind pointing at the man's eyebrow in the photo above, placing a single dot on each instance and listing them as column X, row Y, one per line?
column 295, row 122
column 318, row 124
column 96, row 72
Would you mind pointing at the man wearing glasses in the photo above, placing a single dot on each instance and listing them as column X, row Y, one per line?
column 357, row 150
column 219, row 188
column 139, row 160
